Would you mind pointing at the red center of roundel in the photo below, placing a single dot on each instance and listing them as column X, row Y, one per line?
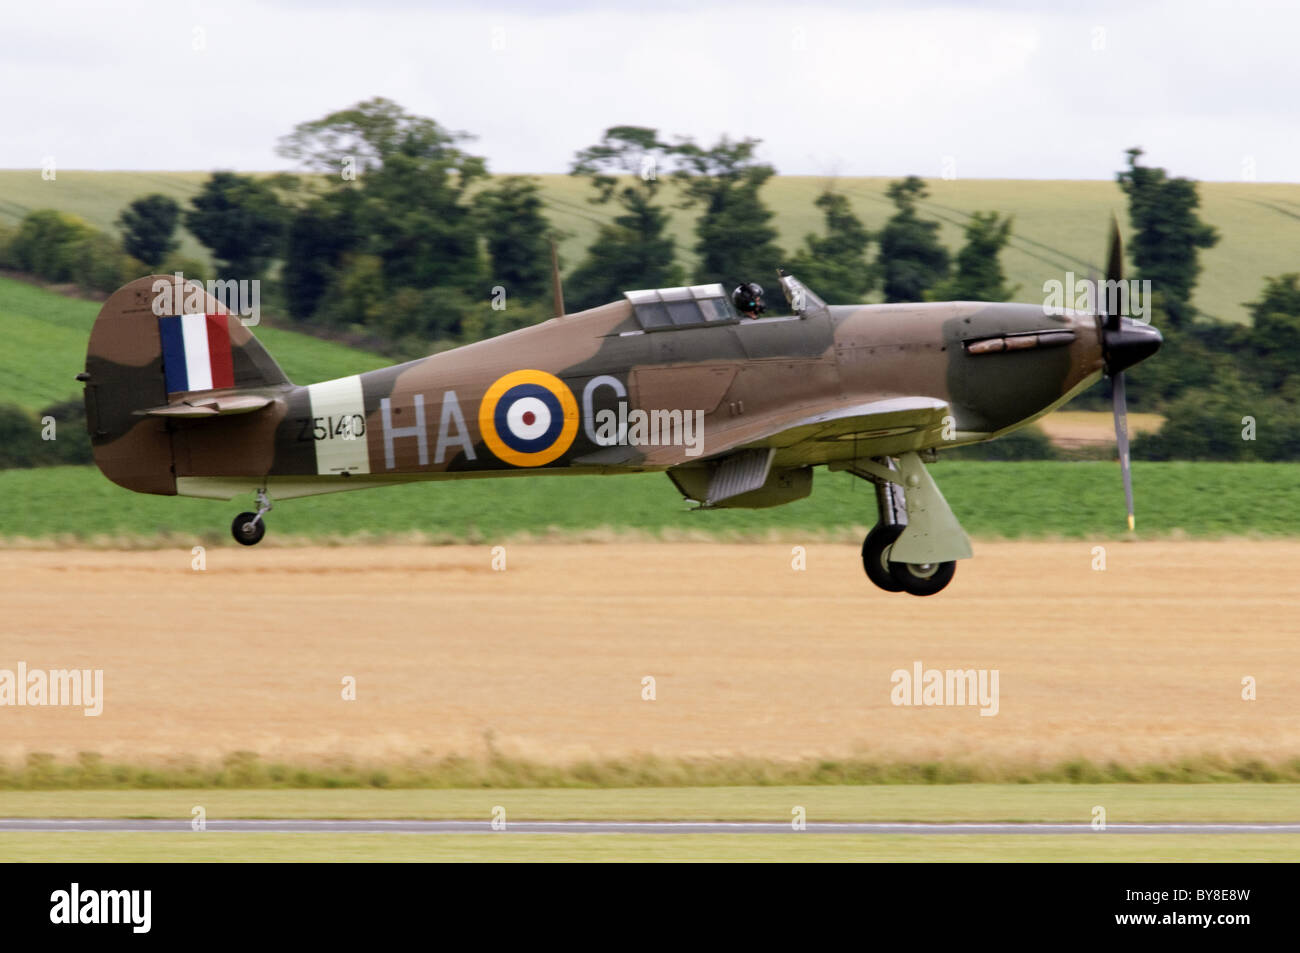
column 529, row 418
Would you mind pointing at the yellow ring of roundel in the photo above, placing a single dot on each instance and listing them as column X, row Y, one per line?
column 487, row 409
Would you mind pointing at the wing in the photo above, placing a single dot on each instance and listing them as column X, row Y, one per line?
column 916, row 418
column 798, row 438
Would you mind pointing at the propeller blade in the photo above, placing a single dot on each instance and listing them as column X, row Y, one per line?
column 1119, row 404
column 1114, row 272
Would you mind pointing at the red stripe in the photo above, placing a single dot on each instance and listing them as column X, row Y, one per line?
column 223, row 366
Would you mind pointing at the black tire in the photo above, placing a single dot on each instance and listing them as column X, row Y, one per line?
column 922, row 580
column 245, row 531
column 875, row 555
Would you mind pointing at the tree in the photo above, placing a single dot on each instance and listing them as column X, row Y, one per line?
column 147, row 226
column 416, row 218
column 630, row 156
column 72, row 443
column 1185, row 363
column 46, row 243
column 350, row 142
column 355, row 293
column 20, row 438
column 7, row 233
column 628, row 254
column 320, row 234
column 414, row 181
column 635, row 250
column 835, row 266
column 1167, row 234
column 1275, row 331
column 979, row 274
column 240, row 220
column 736, row 239
column 911, row 259
column 100, row 263
column 1205, row 424
column 517, row 234
column 62, row 248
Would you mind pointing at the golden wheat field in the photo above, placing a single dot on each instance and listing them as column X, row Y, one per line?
column 547, row 657
column 1077, row 428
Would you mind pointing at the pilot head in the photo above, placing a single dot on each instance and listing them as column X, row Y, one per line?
column 748, row 299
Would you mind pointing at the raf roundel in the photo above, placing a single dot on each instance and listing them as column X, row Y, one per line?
column 528, row 418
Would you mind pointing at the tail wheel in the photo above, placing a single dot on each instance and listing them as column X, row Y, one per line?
column 922, row 579
column 875, row 555
column 247, row 529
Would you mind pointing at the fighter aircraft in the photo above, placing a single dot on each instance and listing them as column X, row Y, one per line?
column 737, row 407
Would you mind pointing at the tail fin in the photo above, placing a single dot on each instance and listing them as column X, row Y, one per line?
column 161, row 349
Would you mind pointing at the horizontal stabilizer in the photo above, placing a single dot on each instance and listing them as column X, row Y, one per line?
column 209, row 406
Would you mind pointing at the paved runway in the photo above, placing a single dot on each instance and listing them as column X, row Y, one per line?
column 14, row 825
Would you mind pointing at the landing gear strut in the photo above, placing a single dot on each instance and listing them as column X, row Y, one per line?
column 935, row 535
column 249, row 528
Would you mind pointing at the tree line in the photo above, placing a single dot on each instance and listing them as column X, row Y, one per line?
column 394, row 228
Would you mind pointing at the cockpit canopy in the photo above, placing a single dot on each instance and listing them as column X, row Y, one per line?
column 679, row 307
column 659, row 309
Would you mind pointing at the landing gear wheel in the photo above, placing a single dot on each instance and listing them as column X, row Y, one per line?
column 922, row 579
column 875, row 555
column 247, row 529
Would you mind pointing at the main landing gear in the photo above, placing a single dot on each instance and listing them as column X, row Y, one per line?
column 249, row 528
column 916, row 541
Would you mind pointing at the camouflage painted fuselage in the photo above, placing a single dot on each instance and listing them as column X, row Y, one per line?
column 563, row 397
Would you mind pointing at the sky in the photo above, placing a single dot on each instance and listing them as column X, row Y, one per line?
column 1004, row 89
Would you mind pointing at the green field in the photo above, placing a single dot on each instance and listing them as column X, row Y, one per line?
column 1233, row 803
column 45, row 347
column 1078, row 500
column 1202, row 803
column 96, row 197
column 1060, row 225
column 646, row 848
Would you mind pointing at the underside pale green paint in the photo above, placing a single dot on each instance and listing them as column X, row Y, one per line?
column 933, row 534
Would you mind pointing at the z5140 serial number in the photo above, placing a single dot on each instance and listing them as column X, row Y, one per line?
column 344, row 427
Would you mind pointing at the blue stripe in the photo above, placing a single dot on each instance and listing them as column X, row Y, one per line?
column 173, row 355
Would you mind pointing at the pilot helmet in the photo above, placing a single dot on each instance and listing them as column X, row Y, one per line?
column 748, row 298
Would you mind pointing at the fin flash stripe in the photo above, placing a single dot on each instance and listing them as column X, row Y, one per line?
column 196, row 352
